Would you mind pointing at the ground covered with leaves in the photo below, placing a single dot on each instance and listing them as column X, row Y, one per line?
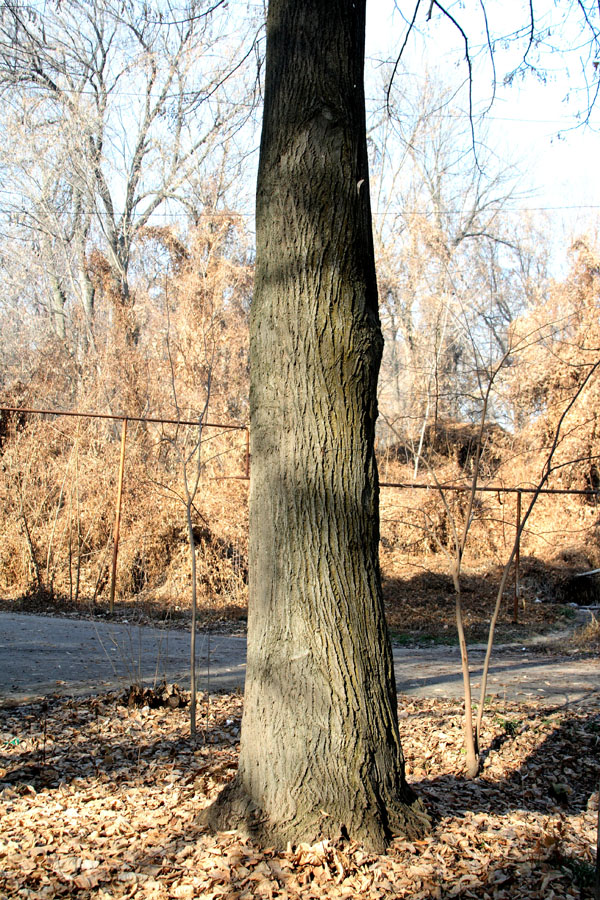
column 99, row 799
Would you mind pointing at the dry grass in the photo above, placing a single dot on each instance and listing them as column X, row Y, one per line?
column 588, row 637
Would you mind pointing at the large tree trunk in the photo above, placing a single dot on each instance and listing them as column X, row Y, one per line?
column 320, row 751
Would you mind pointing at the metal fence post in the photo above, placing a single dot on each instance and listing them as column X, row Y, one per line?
column 517, row 560
column 113, row 574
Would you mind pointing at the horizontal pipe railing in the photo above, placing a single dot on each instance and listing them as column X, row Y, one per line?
column 122, row 418
column 493, row 489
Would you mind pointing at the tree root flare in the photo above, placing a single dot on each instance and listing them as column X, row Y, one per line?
column 234, row 809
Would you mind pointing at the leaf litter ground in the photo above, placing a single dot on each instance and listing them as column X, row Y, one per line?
column 99, row 799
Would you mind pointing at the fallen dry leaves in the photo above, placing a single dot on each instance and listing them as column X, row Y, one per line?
column 99, row 800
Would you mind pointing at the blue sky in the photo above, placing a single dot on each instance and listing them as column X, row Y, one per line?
column 531, row 123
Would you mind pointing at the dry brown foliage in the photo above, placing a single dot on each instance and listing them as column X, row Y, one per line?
column 588, row 637
column 560, row 341
column 58, row 476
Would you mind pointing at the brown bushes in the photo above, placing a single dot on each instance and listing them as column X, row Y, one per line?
column 58, row 475
column 59, row 510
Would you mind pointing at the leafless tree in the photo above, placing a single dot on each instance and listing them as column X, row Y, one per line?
column 450, row 260
column 115, row 110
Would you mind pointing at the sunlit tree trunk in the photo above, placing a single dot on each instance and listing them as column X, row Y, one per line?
column 320, row 751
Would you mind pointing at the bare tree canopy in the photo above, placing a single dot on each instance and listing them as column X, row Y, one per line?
column 121, row 110
column 501, row 45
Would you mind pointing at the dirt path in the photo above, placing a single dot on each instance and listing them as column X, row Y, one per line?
column 42, row 655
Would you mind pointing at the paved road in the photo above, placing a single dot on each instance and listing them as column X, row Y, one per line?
column 42, row 655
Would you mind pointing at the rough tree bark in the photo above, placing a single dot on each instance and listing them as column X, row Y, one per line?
column 320, row 751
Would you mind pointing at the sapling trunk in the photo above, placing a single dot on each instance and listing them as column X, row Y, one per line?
column 471, row 747
column 597, row 886
column 192, row 548
column 548, row 469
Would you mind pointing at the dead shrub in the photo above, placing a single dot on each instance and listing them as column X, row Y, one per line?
column 588, row 637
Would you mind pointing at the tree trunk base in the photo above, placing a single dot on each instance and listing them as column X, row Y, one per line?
column 235, row 809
